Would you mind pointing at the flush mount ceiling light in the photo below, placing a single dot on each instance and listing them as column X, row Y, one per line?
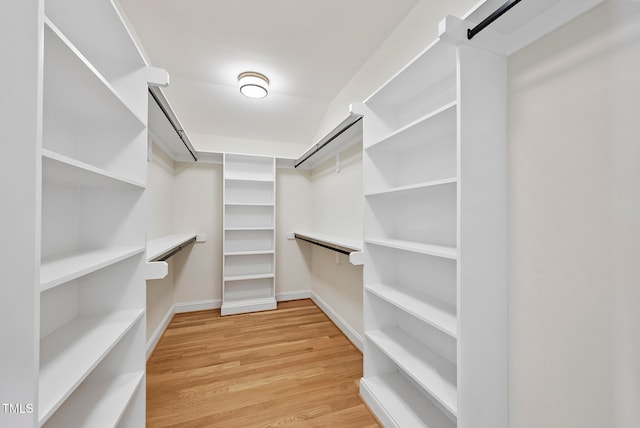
column 253, row 85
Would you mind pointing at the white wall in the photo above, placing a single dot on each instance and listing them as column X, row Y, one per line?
column 198, row 209
column 160, row 293
column 336, row 209
column 574, row 170
column 293, row 259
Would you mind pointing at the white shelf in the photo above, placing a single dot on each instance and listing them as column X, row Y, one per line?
column 156, row 248
column 101, row 34
column 400, row 402
column 332, row 240
column 432, row 66
column 436, row 123
column 416, row 247
column 57, row 168
column 249, row 204
column 65, row 267
column 248, row 228
column 255, row 179
column 249, row 218
column 248, row 277
column 67, row 71
column 70, row 353
column 411, row 187
column 97, row 404
column 248, row 253
column 432, row 311
column 436, row 375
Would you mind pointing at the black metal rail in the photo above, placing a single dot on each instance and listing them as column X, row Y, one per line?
column 173, row 251
column 471, row 32
column 180, row 132
column 320, row 244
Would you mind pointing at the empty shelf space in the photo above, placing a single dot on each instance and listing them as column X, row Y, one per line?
column 248, row 277
column 411, row 187
column 437, row 123
column 101, row 34
column 65, row 267
column 61, row 169
column 402, row 403
column 436, row 375
column 416, row 247
column 432, row 66
column 161, row 247
column 434, row 312
column 71, row 352
column 248, row 168
column 249, row 204
column 75, row 86
column 97, row 403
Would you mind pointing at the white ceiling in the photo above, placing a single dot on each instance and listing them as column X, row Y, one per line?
column 309, row 49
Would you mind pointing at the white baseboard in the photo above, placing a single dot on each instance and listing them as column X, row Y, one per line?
column 293, row 295
column 199, row 305
column 157, row 334
column 348, row 331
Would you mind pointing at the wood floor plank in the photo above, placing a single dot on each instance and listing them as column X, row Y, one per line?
column 287, row 367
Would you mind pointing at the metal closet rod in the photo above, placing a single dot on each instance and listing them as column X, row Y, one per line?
column 176, row 250
column 180, row 132
column 320, row 146
column 471, row 32
column 320, row 244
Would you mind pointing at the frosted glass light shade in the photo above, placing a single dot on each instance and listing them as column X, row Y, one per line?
column 253, row 85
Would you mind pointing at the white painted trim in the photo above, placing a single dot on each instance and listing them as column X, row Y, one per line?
column 199, row 305
column 293, row 295
column 155, row 337
column 348, row 331
column 375, row 405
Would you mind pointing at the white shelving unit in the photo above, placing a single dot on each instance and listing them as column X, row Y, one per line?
column 88, row 297
column 434, row 167
column 249, row 234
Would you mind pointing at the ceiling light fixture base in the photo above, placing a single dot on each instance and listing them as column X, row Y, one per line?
column 253, row 84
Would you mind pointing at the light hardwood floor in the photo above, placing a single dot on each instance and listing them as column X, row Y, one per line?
column 288, row 367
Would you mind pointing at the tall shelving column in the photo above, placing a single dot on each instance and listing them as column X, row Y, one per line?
column 435, row 236
column 248, row 282
column 88, row 307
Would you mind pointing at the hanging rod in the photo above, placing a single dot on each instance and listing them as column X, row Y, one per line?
column 471, row 32
column 323, row 245
column 175, row 250
column 351, row 120
column 173, row 120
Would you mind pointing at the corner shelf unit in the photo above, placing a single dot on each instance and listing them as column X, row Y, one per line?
column 248, row 274
column 89, row 302
column 434, row 166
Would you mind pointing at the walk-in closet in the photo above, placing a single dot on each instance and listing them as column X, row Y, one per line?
column 320, row 213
